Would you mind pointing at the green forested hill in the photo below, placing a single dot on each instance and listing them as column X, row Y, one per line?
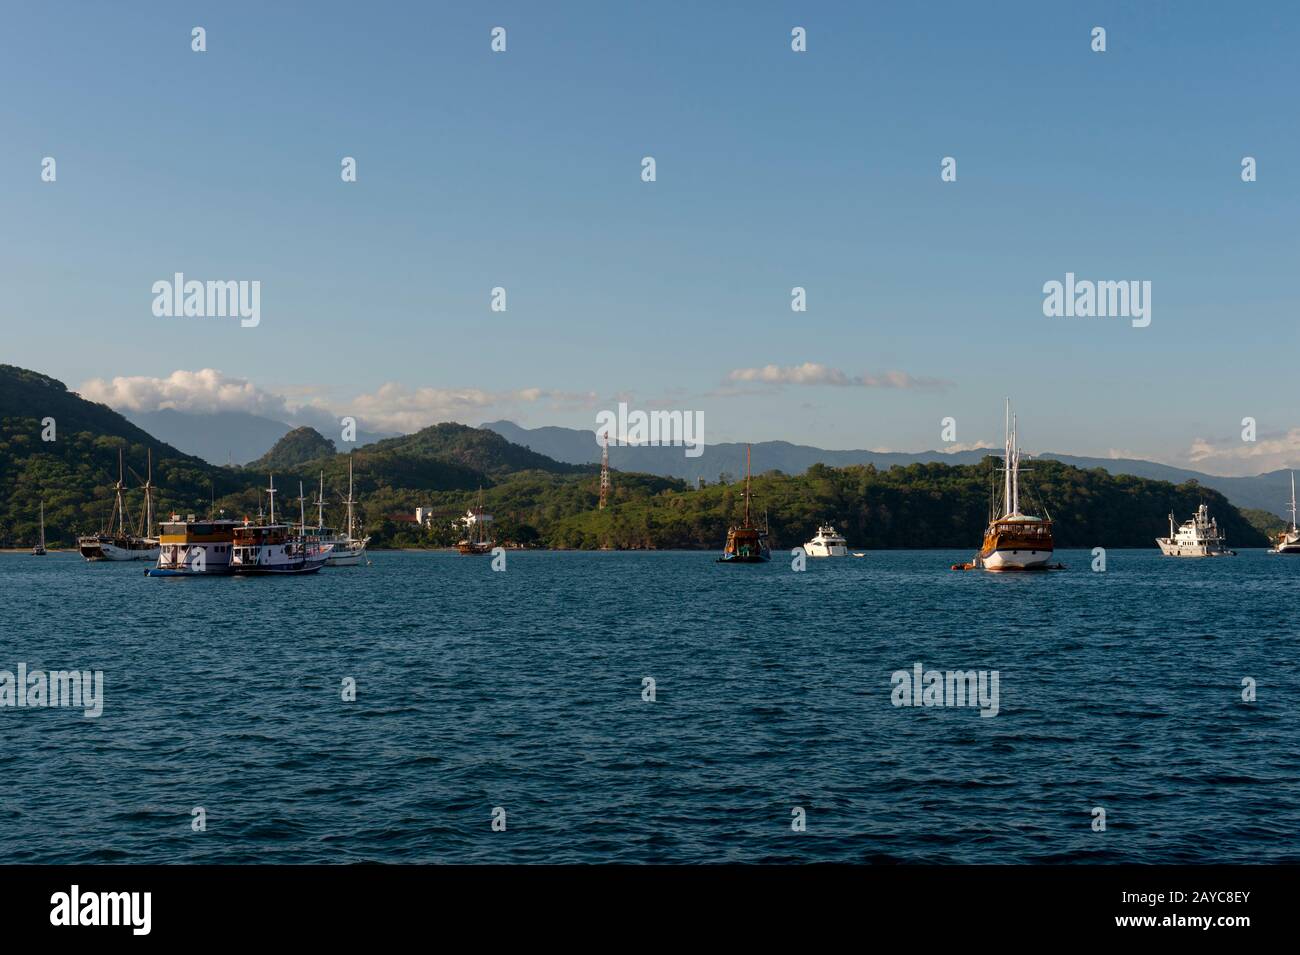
column 296, row 448
column 473, row 448
column 922, row 505
column 75, row 472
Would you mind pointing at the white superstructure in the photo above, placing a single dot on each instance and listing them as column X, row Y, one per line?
column 1199, row 537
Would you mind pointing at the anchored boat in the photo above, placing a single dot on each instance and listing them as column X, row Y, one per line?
column 1013, row 540
column 273, row 548
column 476, row 542
column 39, row 549
column 827, row 543
column 746, row 541
column 194, row 548
column 1199, row 537
column 350, row 549
column 115, row 541
column 1288, row 542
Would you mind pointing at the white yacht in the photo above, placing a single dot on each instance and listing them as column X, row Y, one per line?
column 827, row 543
column 1288, row 542
column 1199, row 537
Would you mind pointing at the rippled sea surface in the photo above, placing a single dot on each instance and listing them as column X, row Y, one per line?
column 523, row 690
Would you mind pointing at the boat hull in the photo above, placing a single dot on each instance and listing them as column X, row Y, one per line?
column 279, row 570
column 1172, row 548
column 341, row 556
column 474, row 549
column 747, row 559
column 1014, row 559
column 103, row 548
column 825, row 550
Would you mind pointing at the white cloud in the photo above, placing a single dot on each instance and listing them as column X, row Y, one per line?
column 206, row 390
column 392, row 407
column 814, row 373
column 1236, row 458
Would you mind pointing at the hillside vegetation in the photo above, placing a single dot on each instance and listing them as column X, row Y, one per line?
column 539, row 501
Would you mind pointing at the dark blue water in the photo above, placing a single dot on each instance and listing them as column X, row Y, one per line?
column 523, row 690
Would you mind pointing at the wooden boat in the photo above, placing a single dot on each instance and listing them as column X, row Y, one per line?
column 1013, row 540
column 746, row 541
column 476, row 543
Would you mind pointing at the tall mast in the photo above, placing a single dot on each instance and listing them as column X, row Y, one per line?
column 119, row 502
column 42, row 525
column 148, row 499
column 271, row 491
column 747, row 455
column 1015, row 469
column 1293, row 527
column 349, row 501
column 604, row 472
column 320, row 503
column 1006, row 462
column 302, row 511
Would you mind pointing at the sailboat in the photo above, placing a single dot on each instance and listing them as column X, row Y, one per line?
column 1014, row 540
column 39, row 549
column 475, row 543
column 350, row 549
column 115, row 542
column 746, row 541
column 1288, row 542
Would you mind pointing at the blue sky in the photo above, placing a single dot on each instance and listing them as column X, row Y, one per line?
column 775, row 169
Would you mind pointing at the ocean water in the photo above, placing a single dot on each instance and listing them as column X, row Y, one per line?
column 523, row 689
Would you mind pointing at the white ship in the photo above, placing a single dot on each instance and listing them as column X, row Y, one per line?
column 1288, row 542
column 1199, row 537
column 190, row 548
column 827, row 543
column 275, row 549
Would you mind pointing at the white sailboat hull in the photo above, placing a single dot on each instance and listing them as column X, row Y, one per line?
column 1015, row 559
column 344, row 556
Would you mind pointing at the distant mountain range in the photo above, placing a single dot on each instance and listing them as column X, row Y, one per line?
column 223, row 437
column 1267, row 492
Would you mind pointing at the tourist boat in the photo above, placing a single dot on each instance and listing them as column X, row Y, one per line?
column 194, row 548
column 746, row 541
column 1014, row 540
column 115, row 541
column 1288, row 542
column 39, row 549
column 275, row 549
column 475, row 542
column 1199, row 537
column 827, row 543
